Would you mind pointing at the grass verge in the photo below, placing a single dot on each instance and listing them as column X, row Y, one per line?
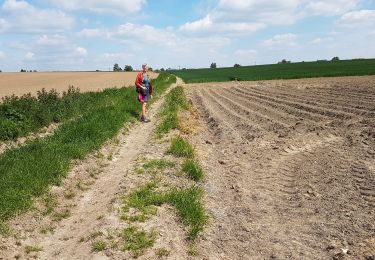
column 28, row 171
column 137, row 240
column 186, row 201
column 181, row 148
column 193, row 170
column 175, row 100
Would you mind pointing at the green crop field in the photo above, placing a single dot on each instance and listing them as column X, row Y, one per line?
column 359, row 67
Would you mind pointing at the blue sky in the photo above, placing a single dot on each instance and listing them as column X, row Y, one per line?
column 95, row 34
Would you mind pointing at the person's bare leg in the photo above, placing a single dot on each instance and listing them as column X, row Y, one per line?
column 144, row 110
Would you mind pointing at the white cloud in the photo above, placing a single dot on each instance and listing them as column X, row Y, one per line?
column 320, row 40
column 358, row 19
column 21, row 17
column 119, row 7
column 2, row 55
column 82, row 52
column 29, row 55
column 208, row 25
column 245, row 52
column 94, row 33
column 248, row 16
column 281, row 40
column 331, row 7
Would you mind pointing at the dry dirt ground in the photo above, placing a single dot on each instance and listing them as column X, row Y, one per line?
column 290, row 168
column 21, row 83
column 290, row 174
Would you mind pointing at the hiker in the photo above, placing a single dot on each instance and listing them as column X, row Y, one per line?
column 144, row 89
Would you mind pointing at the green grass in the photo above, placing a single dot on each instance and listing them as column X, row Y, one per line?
column 99, row 246
column 280, row 71
column 28, row 171
column 137, row 240
column 189, row 208
column 193, row 170
column 158, row 164
column 22, row 115
column 186, row 201
column 181, row 148
column 162, row 252
column 30, row 249
column 174, row 101
column 154, row 166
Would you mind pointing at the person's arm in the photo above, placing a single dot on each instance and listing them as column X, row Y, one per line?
column 138, row 81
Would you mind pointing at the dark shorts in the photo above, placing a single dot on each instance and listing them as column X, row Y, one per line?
column 144, row 98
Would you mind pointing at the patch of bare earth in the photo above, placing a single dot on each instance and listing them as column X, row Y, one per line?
column 86, row 208
column 290, row 168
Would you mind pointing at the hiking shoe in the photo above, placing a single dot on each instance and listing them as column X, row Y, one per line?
column 145, row 120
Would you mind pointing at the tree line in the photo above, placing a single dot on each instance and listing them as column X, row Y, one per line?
column 117, row 68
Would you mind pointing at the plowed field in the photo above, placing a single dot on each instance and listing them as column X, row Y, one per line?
column 290, row 168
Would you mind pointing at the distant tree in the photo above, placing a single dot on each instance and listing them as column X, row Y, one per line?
column 335, row 59
column 213, row 65
column 284, row 61
column 150, row 69
column 1, row 71
column 162, row 69
column 237, row 65
column 23, row 70
column 116, row 67
column 128, row 68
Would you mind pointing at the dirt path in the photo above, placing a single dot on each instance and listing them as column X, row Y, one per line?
column 290, row 168
column 94, row 210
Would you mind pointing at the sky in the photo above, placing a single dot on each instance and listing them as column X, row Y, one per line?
column 94, row 34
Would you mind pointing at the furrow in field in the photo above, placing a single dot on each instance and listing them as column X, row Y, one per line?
column 305, row 115
column 358, row 91
column 349, row 92
column 318, row 102
column 328, row 93
column 329, row 113
column 217, row 126
column 252, row 115
column 248, row 129
column 342, row 100
column 275, row 114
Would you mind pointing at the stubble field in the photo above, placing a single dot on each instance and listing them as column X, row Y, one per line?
column 290, row 168
column 25, row 82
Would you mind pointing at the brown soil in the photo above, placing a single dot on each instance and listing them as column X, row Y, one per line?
column 22, row 83
column 290, row 168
